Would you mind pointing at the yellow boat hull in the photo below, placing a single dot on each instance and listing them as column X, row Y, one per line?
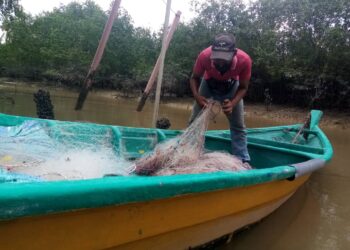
column 174, row 223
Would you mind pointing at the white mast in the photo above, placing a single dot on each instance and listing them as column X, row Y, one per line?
column 161, row 67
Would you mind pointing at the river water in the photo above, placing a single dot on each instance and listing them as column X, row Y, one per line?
column 316, row 217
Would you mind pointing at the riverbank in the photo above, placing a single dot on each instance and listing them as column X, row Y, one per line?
column 278, row 113
column 297, row 115
column 282, row 114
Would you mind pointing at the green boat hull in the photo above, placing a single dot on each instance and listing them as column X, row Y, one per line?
column 273, row 154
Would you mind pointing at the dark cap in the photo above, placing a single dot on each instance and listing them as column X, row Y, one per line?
column 223, row 47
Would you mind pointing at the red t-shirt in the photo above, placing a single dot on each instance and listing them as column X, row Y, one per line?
column 240, row 69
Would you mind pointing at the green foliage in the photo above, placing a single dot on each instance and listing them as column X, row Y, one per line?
column 8, row 8
column 306, row 44
column 300, row 48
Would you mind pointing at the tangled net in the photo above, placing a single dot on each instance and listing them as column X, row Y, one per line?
column 35, row 151
column 185, row 154
column 62, row 152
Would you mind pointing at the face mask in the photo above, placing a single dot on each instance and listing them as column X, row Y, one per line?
column 222, row 68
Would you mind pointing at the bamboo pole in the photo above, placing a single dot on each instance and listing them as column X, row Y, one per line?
column 155, row 71
column 161, row 66
column 98, row 56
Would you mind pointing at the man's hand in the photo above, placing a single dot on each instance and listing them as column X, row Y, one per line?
column 194, row 83
column 227, row 106
column 202, row 101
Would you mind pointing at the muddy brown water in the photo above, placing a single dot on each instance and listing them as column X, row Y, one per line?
column 316, row 217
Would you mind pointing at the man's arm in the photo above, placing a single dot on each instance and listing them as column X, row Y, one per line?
column 194, row 84
column 228, row 105
column 244, row 78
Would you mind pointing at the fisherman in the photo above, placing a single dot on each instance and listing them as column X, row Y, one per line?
column 222, row 72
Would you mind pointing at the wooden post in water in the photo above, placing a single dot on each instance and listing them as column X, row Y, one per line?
column 155, row 71
column 98, row 56
column 161, row 66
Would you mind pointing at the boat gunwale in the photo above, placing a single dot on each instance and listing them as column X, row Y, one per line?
column 24, row 199
column 326, row 145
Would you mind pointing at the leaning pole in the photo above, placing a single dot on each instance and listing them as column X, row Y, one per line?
column 98, row 56
column 155, row 71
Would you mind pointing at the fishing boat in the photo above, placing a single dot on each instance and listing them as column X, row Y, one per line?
column 157, row 212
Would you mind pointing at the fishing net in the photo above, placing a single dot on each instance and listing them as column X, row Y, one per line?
column 207, row 162
column 185, row 153
column 38, row 151
column 61, row 152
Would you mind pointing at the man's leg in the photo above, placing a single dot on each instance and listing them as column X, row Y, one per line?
column 236, row 120
column 203, row 91
column 237, row 127
column 238, row 132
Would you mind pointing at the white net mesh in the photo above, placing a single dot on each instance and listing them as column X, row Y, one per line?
column 60, row 152
column 69, row 151
column 185, row 153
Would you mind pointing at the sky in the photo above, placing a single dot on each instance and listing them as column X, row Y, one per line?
column 145, row 13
